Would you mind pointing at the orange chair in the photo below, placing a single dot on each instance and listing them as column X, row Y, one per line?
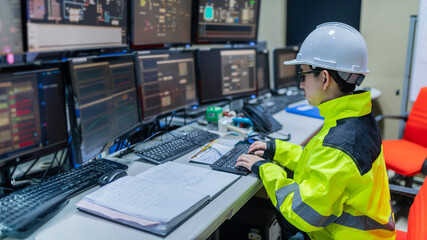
column 417, row 218
column 407, row 156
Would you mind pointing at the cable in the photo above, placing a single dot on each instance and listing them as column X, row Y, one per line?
column 50, row 166
column 28, row 169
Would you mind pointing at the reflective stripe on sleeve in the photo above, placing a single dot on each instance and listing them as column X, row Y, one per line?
column 311, row 216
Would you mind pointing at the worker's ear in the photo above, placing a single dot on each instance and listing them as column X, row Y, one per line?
column 327, row 78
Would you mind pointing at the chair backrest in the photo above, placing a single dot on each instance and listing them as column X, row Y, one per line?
column 416, row 126
column 417, row 218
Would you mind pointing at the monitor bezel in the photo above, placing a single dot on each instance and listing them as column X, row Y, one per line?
column 154, row 46
column 230, row 97
column 266, row 53
column 33, row 153
column 139, row 76
column 195, row 35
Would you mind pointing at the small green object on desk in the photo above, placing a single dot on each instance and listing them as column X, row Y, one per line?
column 213, row 114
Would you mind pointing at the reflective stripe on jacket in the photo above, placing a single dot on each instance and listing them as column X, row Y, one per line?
column 340, row 185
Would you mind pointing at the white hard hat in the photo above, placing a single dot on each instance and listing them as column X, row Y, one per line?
column 335, row 46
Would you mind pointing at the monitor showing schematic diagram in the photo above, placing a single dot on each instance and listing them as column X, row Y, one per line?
column 167, row 82
column 160, row 23
column 60, row 25
column 11, row 39
column 226, row 74
column 226, row 21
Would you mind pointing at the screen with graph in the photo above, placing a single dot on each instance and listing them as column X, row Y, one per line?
column 160, row 23
column 59, row 25
column 107, row 100
column 226, row 21
column 167, row 82
column 11, row 39
column 32, row 111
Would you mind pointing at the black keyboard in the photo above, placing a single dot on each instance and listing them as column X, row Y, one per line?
column 22, row 212
column 227, row 161
column 176, row 147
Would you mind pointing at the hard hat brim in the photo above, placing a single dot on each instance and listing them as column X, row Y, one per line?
column 292, row 62
column 296, row 62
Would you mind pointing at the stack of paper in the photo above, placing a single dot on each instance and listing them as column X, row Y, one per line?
column 158, row 199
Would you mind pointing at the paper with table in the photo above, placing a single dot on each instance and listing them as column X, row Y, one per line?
column 158, row 199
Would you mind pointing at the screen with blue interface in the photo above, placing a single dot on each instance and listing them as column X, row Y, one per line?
column 11, row 39
column 107, row 100
column 225, row 74
column 161, row 22
column 32, row 111
column 227, row 21
column 58, row 25
column 167, row 82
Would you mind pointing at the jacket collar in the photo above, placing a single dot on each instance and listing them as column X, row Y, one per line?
column 354, row 105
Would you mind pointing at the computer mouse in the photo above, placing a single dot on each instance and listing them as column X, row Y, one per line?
column 111, row 176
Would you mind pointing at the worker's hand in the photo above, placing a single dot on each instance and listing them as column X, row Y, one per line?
column 247, row 160
column 258, row 148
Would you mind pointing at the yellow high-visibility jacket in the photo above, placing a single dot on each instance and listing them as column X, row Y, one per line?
column 340, row 186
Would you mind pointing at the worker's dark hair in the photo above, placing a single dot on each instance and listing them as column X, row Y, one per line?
column 343, row 86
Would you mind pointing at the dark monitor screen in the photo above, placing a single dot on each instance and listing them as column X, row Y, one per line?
column 32, row 111
column 226, row 21
column 59, row 25
column 263, row 73
column 10, row 27
column 167, row 82
column 226, row 74
column 107, row 100
column 285, row 75
column 161, row 22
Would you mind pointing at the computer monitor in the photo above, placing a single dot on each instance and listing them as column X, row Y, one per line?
column 32, row 112
column 160, row 23
column 166, row 82
column 226, row 21
column 107, row 100
column 226, row 74
column 263, row 72
column 60, row 25
column 285, row 75
column 11, row 39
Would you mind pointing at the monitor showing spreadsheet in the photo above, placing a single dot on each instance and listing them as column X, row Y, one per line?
column 107, row 100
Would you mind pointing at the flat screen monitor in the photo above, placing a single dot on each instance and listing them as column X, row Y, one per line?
column 226, row 74
column 32, row 112
column 60, row 25
column 226, row 21
column 166, row 82
column 11, row 39
column 107, row 100
column 285, row 75
column 263, row 72
column 160, row 23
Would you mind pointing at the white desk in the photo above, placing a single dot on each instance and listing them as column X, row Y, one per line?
column 70, row 223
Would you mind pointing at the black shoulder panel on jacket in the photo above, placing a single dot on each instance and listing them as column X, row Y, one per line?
column 359, row 138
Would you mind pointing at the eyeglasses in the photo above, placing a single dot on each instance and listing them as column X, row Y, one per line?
column 302, row 74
